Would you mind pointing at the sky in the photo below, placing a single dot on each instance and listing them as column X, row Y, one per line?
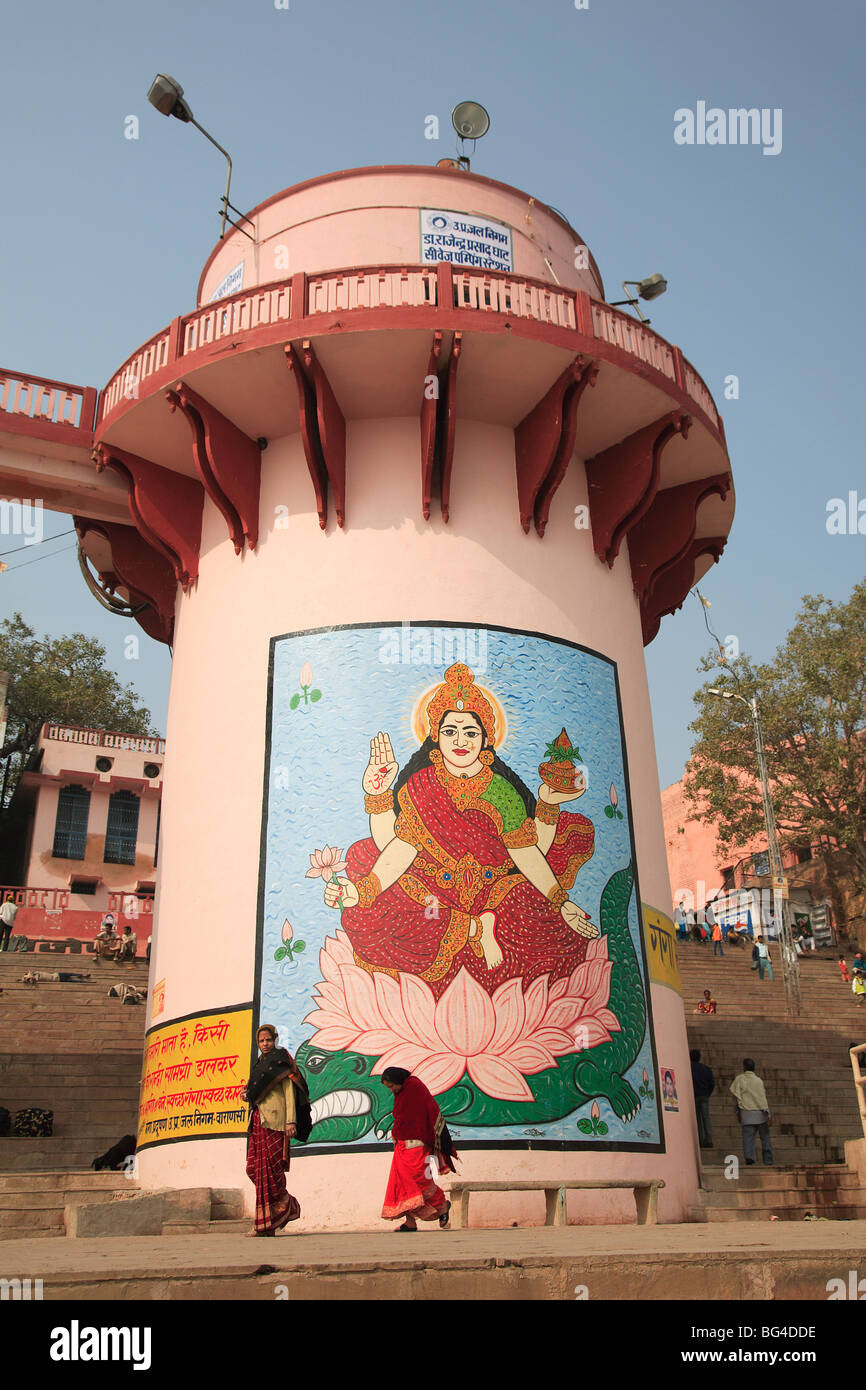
column 104, row 237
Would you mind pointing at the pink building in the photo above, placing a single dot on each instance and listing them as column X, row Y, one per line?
column 739, row 881
column 92, row 802
column 408, row 498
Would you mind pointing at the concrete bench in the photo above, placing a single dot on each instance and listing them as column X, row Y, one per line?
column 645, row 1197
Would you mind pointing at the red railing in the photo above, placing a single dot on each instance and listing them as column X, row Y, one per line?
column 42, row 406
column 497, row 292
column 99, row 738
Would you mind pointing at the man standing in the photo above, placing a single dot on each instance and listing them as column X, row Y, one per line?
column 703, row 1084
column 8, row 913
column 764, row 962
column 753, row 1112
column 717, row 940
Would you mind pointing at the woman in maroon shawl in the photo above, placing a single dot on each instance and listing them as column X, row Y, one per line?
column 278, row 1095
column 420, row 1137
column 464, row 867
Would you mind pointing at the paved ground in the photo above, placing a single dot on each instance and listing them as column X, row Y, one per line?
column 739, row 1260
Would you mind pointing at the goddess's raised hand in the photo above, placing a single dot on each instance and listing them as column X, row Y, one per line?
column 381, row 770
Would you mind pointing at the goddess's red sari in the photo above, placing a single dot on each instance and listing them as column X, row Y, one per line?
column 421, row 924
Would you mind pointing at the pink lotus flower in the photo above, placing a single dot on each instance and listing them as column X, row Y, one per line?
column 325, row 863
column 613, row 796
column 287, row 932
column 498, row 1040
column 594, row 1111
column 306, row 677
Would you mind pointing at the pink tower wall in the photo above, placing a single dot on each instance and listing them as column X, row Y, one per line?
column 386, row 566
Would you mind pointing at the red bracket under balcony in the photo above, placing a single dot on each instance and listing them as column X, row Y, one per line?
column 673, row 585
column 447, row 425
column 165, row 506
column 228, row 463
column 323, row 430
column 565, row 448
column 429, row 408
column 663, row 536
column 541, row 442
column 438, row 421
column 141, row 570
column 623, row 481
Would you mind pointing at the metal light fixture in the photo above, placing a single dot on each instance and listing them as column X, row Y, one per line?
column 471, row 121
column 650, row 288
column 166, row 95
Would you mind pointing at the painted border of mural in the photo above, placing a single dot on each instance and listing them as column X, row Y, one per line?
column 596, row 1142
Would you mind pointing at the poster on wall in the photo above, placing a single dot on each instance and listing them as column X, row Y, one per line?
column 193, row 1072
column 448, row 885
column 670, row 1098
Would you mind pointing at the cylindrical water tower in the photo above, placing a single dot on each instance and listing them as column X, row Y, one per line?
column 408, row 499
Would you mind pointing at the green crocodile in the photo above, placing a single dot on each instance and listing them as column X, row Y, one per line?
column 349, row 1102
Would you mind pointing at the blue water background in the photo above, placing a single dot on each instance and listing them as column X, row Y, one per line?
column 319, row 752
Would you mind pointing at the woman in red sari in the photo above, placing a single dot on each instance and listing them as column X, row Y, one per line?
column 468, row 869
column 420, row 1138
column 277, row 1093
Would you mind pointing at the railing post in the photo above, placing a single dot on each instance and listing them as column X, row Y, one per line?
column 87, row 418
column 583, row 313
column 679, row 374
column 299, row 308
column 444, row 285
column 175, row 339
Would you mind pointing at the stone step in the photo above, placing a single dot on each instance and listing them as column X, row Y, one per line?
column 776, row 1198
column 713, row 1214
column 831, row 1177
column 229, row 1227
column 53, row 1153
column 14, row 1202
column 52, row 1180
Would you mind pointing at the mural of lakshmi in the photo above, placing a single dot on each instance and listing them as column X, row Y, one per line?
column 464, row 869
column 466, row 950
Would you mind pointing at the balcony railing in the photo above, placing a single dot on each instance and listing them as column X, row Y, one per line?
column 413, row 287
column 41, row 406
column 99, row 738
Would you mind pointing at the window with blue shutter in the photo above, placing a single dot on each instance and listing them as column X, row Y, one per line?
column 70, row 827
column 121, row 831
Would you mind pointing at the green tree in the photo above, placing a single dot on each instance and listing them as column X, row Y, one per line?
column 812, row 703
column 59, row 680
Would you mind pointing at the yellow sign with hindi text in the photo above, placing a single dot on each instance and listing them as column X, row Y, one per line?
column 194, row 1071
column 660, row 936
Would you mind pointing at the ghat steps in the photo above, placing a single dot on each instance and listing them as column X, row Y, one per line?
column 70, row 1049
column 806, row 1069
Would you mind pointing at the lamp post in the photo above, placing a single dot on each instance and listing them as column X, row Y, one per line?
column 167, row 96
column 649, row 288
column 790, row 967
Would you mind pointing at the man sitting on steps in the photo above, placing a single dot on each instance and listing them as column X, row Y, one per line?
column 753, row 1112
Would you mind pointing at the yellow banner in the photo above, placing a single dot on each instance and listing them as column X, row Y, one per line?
column 194, row 1069
column 661, row 948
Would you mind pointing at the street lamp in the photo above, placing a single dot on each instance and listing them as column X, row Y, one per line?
column 790, row 967
column 167, row 96
column 648, row 289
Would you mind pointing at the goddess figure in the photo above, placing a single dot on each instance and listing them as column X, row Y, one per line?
column 467, row 869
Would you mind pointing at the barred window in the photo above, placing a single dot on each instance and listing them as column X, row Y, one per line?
column 121, row 831
column 70, row 827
